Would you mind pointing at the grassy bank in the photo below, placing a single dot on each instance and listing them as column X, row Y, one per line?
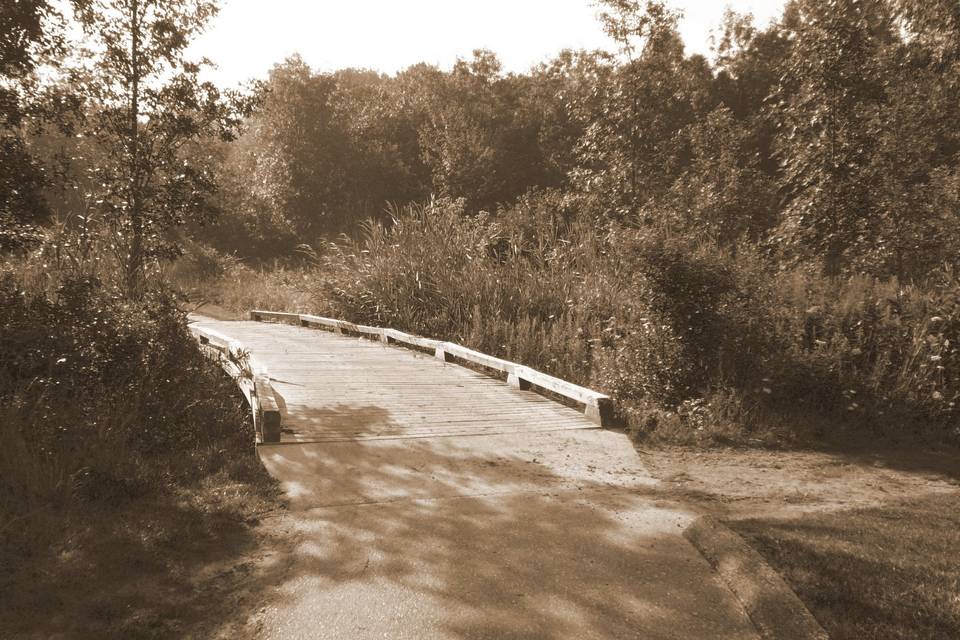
column 887, row 572
column 866, row 536
column 128, row 473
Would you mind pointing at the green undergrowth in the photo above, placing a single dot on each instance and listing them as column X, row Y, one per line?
column 695, row 342
column 128, row 460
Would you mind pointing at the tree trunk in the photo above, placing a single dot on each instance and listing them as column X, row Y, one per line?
column 134, row 273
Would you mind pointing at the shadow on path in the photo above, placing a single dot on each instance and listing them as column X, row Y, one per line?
column 549, row 535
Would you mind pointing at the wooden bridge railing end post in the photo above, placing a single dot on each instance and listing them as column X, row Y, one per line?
column 515, row 381
column 600, row 411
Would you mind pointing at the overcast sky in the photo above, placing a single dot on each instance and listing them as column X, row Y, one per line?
column 250, row 36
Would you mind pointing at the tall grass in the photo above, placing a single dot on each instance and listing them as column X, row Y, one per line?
column 693, row 340
column 204, row 275
column 701, row 338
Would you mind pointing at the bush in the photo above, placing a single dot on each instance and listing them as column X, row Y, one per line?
column 667, row 324
column 694, row 319
column 93, row 385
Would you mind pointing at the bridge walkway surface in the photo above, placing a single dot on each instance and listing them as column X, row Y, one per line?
column 428, row 500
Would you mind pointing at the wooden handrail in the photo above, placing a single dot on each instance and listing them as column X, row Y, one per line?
column 597, row 406
column 255, row 386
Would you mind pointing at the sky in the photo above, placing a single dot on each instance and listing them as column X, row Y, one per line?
column 249, row 36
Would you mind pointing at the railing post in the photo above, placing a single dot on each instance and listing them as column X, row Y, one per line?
column 514, row 380
column 441, row 354
column 600, row 413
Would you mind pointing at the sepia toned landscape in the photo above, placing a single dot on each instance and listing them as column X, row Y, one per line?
column 653, row 336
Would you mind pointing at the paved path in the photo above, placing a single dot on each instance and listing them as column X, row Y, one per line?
column 430, row 501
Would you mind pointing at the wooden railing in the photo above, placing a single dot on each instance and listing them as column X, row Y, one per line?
column 597, row 406
column 255, row 385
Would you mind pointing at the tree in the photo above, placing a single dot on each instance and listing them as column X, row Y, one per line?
column 563, row 96
column 475, row 136
column 297, row 151
column 868, row 113
column 830, row 86
column 634, row 149
column 30, row 33
column 144, row 104
column 723, row 194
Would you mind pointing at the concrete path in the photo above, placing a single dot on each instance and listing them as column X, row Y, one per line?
column 433, row 502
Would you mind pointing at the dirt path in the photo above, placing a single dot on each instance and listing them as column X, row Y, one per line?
column 745, row 483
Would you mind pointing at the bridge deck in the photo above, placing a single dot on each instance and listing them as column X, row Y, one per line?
column 333, row 387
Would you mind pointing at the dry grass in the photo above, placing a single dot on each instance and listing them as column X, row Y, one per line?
column 866, row 535
column 164, row 565
column 885, row 573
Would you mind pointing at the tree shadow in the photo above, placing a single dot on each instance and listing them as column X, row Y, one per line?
column 162, row 568
column 888, row 572
column 550, row 535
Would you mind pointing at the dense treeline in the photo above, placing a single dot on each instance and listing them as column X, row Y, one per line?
column 736, row 241
column 830, row 136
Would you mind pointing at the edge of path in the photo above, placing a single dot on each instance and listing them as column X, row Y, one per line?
column 772, row 606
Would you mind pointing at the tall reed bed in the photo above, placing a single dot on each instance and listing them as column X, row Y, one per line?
column 691, row 338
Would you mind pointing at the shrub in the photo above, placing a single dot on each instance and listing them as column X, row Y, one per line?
column 667, row 324
column 92, row 385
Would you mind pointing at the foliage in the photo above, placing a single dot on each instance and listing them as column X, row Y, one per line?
column 31, row 33
column 69, row 357
column 145, row 103
column 661, row 321
column 858, row 143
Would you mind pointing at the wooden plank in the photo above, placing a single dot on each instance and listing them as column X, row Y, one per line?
column 234, row 359
column 405, row 338
column 312, row 321
column 384, row 380
column 275, row 316
column 477, row 357
column 212, row 337
column 561, row 387
column 312, row 439
column 598, row 406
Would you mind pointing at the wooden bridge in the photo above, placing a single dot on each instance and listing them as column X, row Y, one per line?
column 278, row 356
column 434, row 500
